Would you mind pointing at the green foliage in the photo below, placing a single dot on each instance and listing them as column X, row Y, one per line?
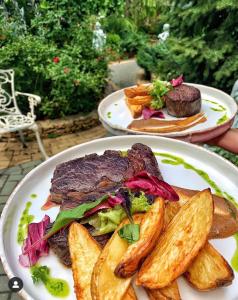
column 128, row 38
column 202, row 44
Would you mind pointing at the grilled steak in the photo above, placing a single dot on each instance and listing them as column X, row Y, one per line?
column 183, row 101
column 87, row 178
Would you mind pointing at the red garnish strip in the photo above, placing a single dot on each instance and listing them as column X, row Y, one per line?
column 35, row 236
column 152, row 185
column 148, row 113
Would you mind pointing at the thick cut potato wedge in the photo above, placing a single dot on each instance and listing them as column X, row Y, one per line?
column 209, row 270
column 139, row 100
column 136, row 110
column 84, row 252
column 130, row 294
column 225, row 220
column 105, row 285
column 184, row 237
column 170, row 292
column 150, row 229
column 139, row 90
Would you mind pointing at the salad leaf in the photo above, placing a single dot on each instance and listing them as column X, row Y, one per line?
column 126, row 204
column 65, row 217
column 158, row 90
column 140, row 204
column 108, row 221
column 130, row 233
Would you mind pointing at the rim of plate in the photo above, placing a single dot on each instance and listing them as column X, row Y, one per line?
column 6, row 267
column 172, row 134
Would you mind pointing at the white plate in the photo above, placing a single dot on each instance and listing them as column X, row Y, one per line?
column 223, row 173
column 113, row 112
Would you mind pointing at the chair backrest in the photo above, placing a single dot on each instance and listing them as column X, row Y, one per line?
column 8, row 104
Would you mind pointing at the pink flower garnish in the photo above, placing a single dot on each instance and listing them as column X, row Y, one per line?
column 177, row 81
column 36, row 232
column 148, row 113
column 56, row 59
column 152, row 185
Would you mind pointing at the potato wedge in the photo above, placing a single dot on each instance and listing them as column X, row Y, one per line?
column 136, row 110
column 130, row 294
column 209, row 270
column 139, row 90
column 105, row 285
column 184, row 237
column 150, row 229
column 225, row 220
column 84, row 252
column 170, row 292
column 139, row 100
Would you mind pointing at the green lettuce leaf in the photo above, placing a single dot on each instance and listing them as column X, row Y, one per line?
column 159, row 89
column 65, row 217
column 108, row 221
column 130, row 233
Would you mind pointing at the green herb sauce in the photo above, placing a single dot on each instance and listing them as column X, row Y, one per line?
column 218, row 107
column 222, row 119
column 33, row 196
column 234, row 260
column 109, row 115
column 55, row 286
column 25, row 220
column 175, row 160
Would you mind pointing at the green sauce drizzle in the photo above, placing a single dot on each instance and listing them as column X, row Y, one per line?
column 33, row 196
column 55, row 286
column 109, row 115
column 220, row 108
column 222, row 119
column 25, row 220
column 175, row 160
column 234, row 260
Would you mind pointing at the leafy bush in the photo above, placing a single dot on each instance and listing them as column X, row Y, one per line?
column 52, row 54
column 69, row 79
column 131, row 39
column 202, row 45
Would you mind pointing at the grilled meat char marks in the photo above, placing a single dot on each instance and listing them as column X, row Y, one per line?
column 87, row 178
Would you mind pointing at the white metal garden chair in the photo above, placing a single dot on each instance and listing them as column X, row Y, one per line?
column 11, row 118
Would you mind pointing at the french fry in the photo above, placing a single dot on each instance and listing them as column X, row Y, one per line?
column 170, row 292
column 150, row 229
column 209, row 270
column 184, row 237
column 84, row 252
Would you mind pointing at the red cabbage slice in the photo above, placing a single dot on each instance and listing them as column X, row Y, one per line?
column 152, row 185
column 36, row 232
column 148, row 113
